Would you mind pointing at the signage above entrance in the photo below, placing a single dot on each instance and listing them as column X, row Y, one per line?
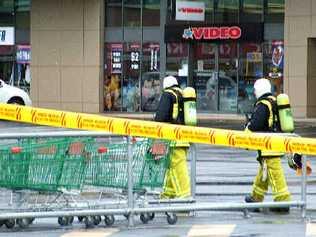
column 190, row 11
column 209, row 33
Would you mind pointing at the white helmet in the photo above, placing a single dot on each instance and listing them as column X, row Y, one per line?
column 169, row 81
column 261, row 87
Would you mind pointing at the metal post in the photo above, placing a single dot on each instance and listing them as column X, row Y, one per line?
column 193, row 169
column 304, row 187
column 130, row 182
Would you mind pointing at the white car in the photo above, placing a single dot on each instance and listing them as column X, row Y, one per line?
column 13, row 95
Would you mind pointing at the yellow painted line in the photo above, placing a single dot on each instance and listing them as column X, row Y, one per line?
column 138, row 128
column 92, row 233
column 211, row 230
column 310, row 229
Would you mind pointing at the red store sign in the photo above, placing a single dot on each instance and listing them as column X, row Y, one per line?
column 190, row 10
column 212, row 33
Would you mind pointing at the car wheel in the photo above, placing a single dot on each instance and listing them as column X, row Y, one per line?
column 17, row 101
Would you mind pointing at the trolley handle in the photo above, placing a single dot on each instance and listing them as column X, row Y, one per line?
column 158, row 149
column 16, row 149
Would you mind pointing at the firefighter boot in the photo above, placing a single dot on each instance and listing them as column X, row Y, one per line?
column 250, row 199
column 280, row 210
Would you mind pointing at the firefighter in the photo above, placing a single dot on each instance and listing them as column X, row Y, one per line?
column 170, row 110
column 265, row 119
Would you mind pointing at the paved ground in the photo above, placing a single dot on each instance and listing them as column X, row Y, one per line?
column 217, row 224
column 223, row 175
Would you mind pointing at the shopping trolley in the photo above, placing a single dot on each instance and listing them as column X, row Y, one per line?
column 42, row 174
column 108, row 167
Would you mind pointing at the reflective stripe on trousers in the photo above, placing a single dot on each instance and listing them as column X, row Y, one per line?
column 177, row 180
column 274, row 178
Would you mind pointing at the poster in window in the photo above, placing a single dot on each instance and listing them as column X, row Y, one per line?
column 116, row 58
column 131, row 90
column 277, row 60
column 23, row 54
column 112, row 76
column 135, row 57
column 154, row 54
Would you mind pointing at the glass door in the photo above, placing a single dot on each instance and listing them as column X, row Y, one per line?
column 227, row 77
column 205, row 75
column 215, row 76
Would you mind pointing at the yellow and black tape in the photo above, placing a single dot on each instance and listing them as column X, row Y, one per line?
column 238, row 139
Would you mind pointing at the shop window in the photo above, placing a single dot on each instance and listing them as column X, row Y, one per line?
column 205, row 75
column 177, row 62
column 6, row 51
column 275, row 11
column 131, row 75
column 113, row 76
column 113, row 13
column 6, row 12
column 250, row 69
column 6, row 63
column 22, row 22
column 151, row 12
column 150, row 83
column 209, row 11
column 251, row 11
column 23, row 60
column 132, row 13
column 226, row 11
column 15, row 59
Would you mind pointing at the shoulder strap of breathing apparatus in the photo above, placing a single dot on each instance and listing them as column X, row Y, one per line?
column 177, row 110
column 273, row 121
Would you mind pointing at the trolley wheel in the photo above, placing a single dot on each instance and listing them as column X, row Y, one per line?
column 9, row 223
column 62, row 220
column 88, row 220
column 31, row 219
column 144, row 218
column 151, row 216
column 109, row 220
column 2, row 222
column 80, row 218
column 97, row 220
column 70, row 220
column 126, row 216
column 172, row 218
column 23, row 223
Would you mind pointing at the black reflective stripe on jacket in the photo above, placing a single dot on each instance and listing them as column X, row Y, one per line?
column 165, row 106
column 164, row 110
column 259, row 121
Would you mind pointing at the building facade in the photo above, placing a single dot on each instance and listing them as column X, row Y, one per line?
column 103, row 56
column 145, row 40
column 15, row 46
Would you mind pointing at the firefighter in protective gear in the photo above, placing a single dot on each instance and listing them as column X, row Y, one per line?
column 265, row 119
column 170, row 110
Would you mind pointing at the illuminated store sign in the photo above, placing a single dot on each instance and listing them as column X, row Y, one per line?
column 243, row 32
column 6, row 35
column 211, row 33
column 190, row 11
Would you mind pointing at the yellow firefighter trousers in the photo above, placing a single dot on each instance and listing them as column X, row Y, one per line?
column 271, row 174
column 177, row 181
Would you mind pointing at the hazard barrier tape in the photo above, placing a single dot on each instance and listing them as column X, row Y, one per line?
column 232, row 138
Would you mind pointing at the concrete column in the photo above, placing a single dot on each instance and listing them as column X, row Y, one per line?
column 300, row 23
column 67, row 54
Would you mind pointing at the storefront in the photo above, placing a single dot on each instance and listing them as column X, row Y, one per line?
column 15, row 49
column 213, row 60
column 219, row 47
